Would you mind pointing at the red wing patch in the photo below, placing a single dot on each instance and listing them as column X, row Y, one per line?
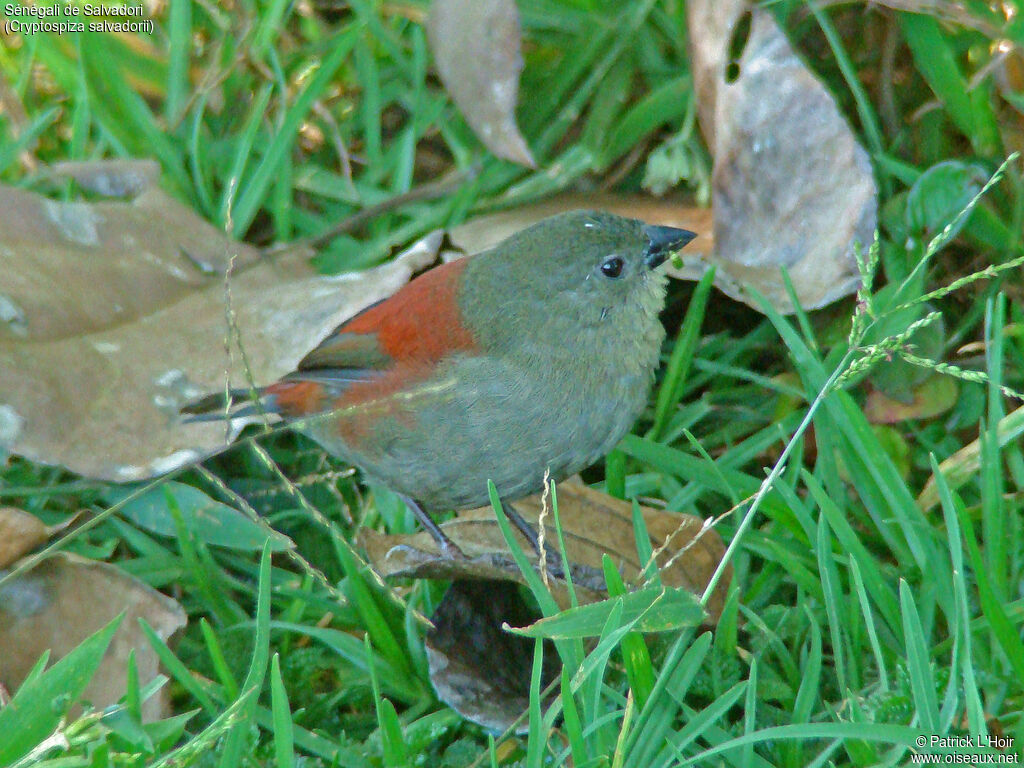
column 402, row 341
column 420, row 322
column 297, row 398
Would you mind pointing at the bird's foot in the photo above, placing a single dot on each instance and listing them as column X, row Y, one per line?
column 449, row 549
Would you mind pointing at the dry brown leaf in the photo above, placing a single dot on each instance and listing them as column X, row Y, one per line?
column 477, row 668
column 484, row 672
column 111, row 178
column 66, row 598
column 72, row 268
column 791, row 186
column 593, row 523
column 20, row 532
column 112, row 315
column 476, row 45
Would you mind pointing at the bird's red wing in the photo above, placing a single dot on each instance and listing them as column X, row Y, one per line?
column 386, row 347
column 420, row 324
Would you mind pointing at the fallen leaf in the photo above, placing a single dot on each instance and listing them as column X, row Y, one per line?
column 477, row 668
column 111, row 178
column 72, row 268
column 476, row 46
column 935, row 396
column 66, row 598
column 791, row 186
column 20, row 532
column 483, row 671
column 112, row 316
column 593, row 524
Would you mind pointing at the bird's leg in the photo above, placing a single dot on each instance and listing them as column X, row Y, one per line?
column 448, row 548
column 528, row 531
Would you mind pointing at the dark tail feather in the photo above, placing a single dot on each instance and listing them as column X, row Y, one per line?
column 216, row 407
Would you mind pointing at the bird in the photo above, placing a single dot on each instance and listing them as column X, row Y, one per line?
column 530, row 359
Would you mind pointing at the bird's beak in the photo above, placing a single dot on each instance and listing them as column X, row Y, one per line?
column 664, row 241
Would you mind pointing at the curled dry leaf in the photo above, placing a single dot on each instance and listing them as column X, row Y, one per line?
column 478, row 668
column 20, row 532
column 476, row 45
column 593, row 524
column 66, row 598
column 791, row 186
column 112, row 315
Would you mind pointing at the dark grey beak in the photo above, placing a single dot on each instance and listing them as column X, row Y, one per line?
column 664, row 241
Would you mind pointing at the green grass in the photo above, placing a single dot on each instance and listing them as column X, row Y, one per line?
column 857, row 619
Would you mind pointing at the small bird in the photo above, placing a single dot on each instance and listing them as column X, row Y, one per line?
column 534, row 356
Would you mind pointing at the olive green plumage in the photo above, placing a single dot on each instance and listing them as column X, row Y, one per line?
column 561, row 362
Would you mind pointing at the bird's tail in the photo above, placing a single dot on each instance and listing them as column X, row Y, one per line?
column 230, row 405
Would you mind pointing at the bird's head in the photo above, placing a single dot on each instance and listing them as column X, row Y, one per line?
column 589, row 259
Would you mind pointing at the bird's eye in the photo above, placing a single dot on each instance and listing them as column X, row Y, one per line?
column 612, row 267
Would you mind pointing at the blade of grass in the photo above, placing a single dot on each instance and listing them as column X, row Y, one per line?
column 922, row 682
column 268, row 27
column 244, row 143
column 750, row 715
column 615, row 474
column 173, row 665
column 993, row 515
column 868, row 118
column 571, row 723
column 217, row 659
column 682, row 356
column 807, row 694
column 833, row 595
column 635, row 656
column 869, row 622
column 395, row 680
column 536, row 740
column 179, row 43
column 284, row 740
column 700, row 721
column 253, row 196
column 936, row 60
column 9, row 151
column 45, row 697
column 657, row 716
column 1003, row 630
column 238, row 735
